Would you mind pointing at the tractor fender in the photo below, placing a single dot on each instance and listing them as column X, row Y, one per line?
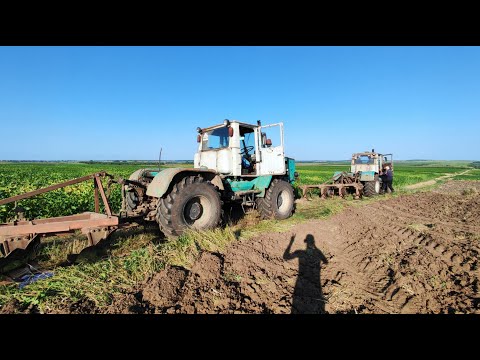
column 137, row 175
column 162, row 181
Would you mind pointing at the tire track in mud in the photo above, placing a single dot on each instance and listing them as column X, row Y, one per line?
column 425, row 268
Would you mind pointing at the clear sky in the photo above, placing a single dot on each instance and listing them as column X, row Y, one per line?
column 124, row 103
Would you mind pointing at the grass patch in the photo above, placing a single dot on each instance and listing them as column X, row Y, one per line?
column 184, row 250
column 232, row 277
column 93, row 280
column 469, row 191
column 421, row 228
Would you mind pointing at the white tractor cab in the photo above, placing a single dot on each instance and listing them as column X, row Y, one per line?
column 235, row 163
column 240, row 149
column 369, row 165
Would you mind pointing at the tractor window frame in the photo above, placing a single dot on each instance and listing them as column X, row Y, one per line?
column 218, row 135
column 360, row 160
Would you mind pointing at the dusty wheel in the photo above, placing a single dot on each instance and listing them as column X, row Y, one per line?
column 192, row 203
column 131, row 200
column 371, row 188
column 278, row 201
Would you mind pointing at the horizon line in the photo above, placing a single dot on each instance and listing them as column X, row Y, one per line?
column 182, row 160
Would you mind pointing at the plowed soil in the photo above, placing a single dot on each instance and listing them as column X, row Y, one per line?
column 409, row 254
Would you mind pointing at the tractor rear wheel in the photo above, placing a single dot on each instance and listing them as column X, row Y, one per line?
column 371, row 188
column 193, row 203
column 278, row 201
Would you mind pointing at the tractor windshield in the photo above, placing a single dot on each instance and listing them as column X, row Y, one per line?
column 215, row 139
column 364, row 159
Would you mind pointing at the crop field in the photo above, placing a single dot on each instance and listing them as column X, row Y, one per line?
column 19, row 178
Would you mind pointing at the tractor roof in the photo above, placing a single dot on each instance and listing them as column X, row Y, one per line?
column 232, row 121
column 368, row 153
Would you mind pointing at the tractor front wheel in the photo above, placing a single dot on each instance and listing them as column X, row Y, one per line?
column 278, row 201
column 192, row 203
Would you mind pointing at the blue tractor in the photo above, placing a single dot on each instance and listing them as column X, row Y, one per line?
column 366, row 168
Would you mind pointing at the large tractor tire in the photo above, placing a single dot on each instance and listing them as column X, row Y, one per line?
column 371, row 188
column 193, row 203
column 278, row 201
column 131, row 200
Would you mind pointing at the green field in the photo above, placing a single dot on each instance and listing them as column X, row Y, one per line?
column 16, row 178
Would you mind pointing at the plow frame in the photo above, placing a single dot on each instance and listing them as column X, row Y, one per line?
column 338, row 185
column 19, row 233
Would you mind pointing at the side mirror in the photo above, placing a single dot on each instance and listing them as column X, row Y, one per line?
column 264, row 139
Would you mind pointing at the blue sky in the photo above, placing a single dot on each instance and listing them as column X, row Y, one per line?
column 108, row 103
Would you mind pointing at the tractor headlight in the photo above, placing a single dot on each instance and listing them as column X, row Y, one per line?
column 226, row 122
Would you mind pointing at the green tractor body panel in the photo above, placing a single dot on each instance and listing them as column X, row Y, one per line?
column 162, row 180
column 259, row 183
column 367, row 176
column 291, row 169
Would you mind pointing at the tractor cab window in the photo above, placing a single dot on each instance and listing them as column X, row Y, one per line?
column 364, row 159
column 247, row 150
column 271, row 137
column 247, row 141
column 215, row 139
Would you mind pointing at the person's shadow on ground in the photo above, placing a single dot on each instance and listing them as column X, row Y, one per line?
column 307, row 296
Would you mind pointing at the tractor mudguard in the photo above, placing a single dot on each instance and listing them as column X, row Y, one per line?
column 138, row 174
column 161, row 182
column 367, row 176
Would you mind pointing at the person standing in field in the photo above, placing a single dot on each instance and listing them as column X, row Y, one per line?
column 388, row 179
column 383, row 177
